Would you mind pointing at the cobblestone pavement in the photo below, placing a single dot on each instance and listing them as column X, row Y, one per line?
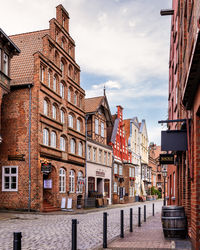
column 53, row 231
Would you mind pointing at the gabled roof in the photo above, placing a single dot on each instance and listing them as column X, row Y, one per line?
column 12, row 46
column 93, row 104
column 22, row 66
column 114, row 132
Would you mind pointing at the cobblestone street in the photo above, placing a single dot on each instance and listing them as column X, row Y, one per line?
column 53, row 231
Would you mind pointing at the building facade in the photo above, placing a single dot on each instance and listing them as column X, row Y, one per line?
column 99, row 154
column 44, row 121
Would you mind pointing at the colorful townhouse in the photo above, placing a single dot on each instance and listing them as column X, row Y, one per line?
column 43, row 122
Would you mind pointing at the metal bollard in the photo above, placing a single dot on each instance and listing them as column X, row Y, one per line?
column 122, row 223
column 153, row 209
column 17, row 241
column 144, row 213
column 104, row 230
column 139, row 216
column 74, row 234
column 131, row 220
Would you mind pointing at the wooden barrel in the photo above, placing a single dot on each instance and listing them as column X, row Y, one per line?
column 174, row 222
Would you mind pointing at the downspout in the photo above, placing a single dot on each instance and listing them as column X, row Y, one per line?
column 86, row 189
column 29, row 152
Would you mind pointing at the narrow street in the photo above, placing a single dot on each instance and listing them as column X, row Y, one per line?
column 53, row 231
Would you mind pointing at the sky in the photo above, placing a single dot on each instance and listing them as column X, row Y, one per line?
column 120, row 44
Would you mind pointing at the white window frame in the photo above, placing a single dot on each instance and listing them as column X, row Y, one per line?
column 115, row 187
column 96, row 126
column 75, row 98
column 69, row 95
column 89, row 153
column 120, row 170
column 42, row 71
column 62, row 116
column 62, row 90
column 78, row 125
column 105, row 157
column 108, row 160
column 80, row 149
column 62, row 143
column 10, row 175
column 62, row 67
column 53, row 139
column 102, row 129
column 46, row 137
column 49, row 79
column 54, row 83
column 72, row 146
column 62, row 180
column 70, row 121
column 80, row 186
column 45, row 107
column 94, row 154
column 71, row 181
column 100, row 155
column 115, row 168
column 54, row 112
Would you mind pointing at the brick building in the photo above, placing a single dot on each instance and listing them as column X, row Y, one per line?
column 99, row 154
column 7, row 50
column 184, row 103
column 43, row 121
column 123, row 169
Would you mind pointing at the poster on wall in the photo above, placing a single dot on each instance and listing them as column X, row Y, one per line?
column 48, row 184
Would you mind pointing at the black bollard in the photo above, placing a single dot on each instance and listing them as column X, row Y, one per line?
column 17, row 241
column 139, row 216
column 153, row 209
column 131, row 220
column 104, row 230
column 74, row 234
column 144, row 213
column 122, row 223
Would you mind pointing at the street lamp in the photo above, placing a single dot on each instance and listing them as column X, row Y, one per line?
column 164, row 173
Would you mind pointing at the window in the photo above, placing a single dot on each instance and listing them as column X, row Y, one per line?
column 115, row 169
column 105, row 156
column 89, row 153
column 62, row 180
column 115, row 187
column 120, row 170
column 70, row 121
column 49, row 79
column 42, row 74
column 62, row 90
column 71, row 181
column 45, row 137
column 9, row 178
column 96, row 126
column 75, row 99
column 108, row 159
column 130, row 172
column 62, row 67
column 80, row 149
column 69, row 94
column 54, row 112
column 100, row 155
column 78, row 125
column 45, row 107
column 80, row 182
column 102, row 129
column 63, row 21
column 94, row 154
column 53, row 139
column 54, row 83
column 62, row 116
column 72, row 146
column 62, row 143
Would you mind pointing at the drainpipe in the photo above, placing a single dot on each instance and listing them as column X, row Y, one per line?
column 29, row 152
column 86, row 189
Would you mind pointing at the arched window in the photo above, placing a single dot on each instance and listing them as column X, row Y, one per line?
column 69, row 94
column 62, row 180
column 42, row 73
column 62, row 116
column 80, row 182
column 62, row 43
column 54, row 111
column 75, row 98
column 80, row 149
column 54, row 83
column 70, row 121
column 62, row 143
column 62, row 90
column 53, row 139
column 78, row 125
column 45, row 137
column 62, row 67
column 45, row 107
column 49, row 79
column 70, row 70
column 71, row 181
column 72, row 146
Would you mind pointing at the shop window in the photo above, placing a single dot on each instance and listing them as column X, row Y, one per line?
column 91, row 185
column 10, row 178
column 62, row 180
column 71, row 181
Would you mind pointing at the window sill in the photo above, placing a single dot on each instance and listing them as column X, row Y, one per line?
column 8, row 190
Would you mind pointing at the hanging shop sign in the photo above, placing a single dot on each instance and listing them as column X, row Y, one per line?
column 46, row 168
column 166, row 159
column 174, row 140
column 18, row 157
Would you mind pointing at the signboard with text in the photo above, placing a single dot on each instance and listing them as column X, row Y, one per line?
column 166, row 159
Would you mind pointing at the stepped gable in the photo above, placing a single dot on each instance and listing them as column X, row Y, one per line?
column 22, row 66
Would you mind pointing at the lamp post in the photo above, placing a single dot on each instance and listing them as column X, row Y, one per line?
column 164, row 173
